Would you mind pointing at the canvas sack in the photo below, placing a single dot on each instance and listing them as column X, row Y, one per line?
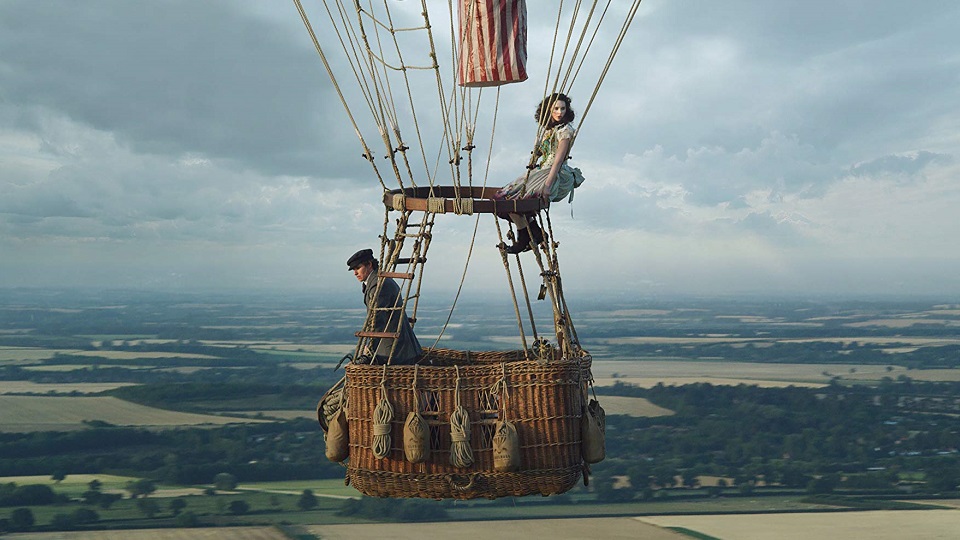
column 593, row 426
column 416, row 438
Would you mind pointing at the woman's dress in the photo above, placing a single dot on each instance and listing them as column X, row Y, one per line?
column 532, row 184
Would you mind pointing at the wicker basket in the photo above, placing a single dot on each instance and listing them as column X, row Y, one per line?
column 543, row 400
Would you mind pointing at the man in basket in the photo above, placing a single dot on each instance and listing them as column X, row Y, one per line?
column 407, row 351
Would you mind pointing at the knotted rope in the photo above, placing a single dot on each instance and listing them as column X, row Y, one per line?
column 399, row 201
column 461, row 455
column 463, row 205
column 500, row 387
column 436, row 205
column 382, row 417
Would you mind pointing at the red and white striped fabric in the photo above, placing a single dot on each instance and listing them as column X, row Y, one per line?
column 493, row 42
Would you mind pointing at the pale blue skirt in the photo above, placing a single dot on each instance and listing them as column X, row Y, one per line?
column 530, row 186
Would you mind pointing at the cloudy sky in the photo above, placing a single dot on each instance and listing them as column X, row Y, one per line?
column 789, row 147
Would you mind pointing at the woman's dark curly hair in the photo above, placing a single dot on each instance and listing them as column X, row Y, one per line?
column 543, row 116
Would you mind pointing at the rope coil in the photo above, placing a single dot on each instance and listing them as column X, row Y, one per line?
column 461, row 455
column 436, row 205
column 399, row 201
column 382, row 417
column 463, row 206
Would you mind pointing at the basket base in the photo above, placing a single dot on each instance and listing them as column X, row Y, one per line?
column 475, row 485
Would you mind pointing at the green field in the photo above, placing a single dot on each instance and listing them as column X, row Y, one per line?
column 331, row 487
column 43, row 413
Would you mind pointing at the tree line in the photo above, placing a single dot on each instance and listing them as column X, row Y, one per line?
column 816, row 439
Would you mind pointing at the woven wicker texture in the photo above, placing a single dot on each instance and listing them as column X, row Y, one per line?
column 543, row 400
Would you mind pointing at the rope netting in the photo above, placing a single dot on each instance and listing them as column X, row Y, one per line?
column 390, row 54
column 384, row 45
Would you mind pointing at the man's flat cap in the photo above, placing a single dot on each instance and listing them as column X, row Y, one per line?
column 359, row 258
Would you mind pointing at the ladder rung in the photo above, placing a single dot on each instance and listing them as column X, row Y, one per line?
column 397, row 275
column 415, row 235
column 415, row 260
column 387, row 335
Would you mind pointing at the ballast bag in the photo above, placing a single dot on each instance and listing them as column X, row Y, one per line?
column 593, row 425
column 416, row 438
column 506, row 448
column 331, row 402
column 337, row 437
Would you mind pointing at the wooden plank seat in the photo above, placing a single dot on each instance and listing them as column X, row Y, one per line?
column 483, row 200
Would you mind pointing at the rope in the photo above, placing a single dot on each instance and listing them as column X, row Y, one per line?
column 513, row 290
column 463, row 205
column 436, row 205
column 476, row 224
column 526, row 298
column 382, row 416
column 382, row 90
column 399, row 201
column 365, row 42
column 500, row 387
column 556, row 265
column 461, row 455
column 413, row 387
column 421, row 246
column 434, row 66
column 336, row 85
column 613, row 53
column 596, row 31
column 566, row 43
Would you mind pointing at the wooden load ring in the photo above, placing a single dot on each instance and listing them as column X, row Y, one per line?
column 460, row 200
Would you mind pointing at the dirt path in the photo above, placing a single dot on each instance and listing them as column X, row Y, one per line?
column 524, row 529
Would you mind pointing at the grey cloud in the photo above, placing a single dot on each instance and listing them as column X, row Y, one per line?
column 204, row 135
column 778, row 228
column 842, row 83
column 32, row 204
column 173, row 77
column 788, row 30
column 907, row 165
column 740, row 203
column 714, row 175
column 630, row 211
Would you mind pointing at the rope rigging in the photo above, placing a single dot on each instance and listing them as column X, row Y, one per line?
column 467, row 424
column 374, row 37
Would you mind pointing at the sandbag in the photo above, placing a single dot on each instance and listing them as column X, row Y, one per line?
column 331, row 402
column 506, row 447
column 337, row 437
column 328, row 406
column 593, row 425
column 416, row 438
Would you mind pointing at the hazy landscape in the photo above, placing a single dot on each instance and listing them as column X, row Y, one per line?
column 193, row 413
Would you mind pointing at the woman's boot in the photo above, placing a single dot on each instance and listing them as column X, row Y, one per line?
column 522, row 243
column 535, row 232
